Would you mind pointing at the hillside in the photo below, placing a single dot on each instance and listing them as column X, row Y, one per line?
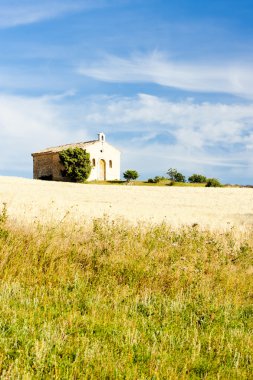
column 116, row 300
column 216, row 208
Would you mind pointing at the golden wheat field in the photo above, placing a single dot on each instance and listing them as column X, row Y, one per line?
column 28, row 201
column 125, row 296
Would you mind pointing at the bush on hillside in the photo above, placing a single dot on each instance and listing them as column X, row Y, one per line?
column 76, row 162
column 175, row 176
column 213, row 182
column 197, row 178
column 156, row 179
column 130, row 175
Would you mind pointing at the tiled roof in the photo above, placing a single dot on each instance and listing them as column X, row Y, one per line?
column 63, row 147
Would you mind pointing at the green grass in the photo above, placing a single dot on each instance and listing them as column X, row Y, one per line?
column 146, row 183
column 112, row 301
column 187, row 184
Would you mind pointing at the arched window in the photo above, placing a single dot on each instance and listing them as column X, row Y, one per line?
column 93, row 162
column 110, row 164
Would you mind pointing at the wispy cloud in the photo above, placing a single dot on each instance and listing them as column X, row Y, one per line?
column 224, row 77
column 21, row 12
column 152, row 132
column 192, row 136
column 28, row 124
column 195, row 124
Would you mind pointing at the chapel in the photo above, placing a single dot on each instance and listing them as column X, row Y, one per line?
column 105, row 161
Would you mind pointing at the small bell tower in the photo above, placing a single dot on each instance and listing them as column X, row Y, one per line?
column 101, row 137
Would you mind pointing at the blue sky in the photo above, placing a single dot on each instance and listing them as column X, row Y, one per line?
column 169, row 81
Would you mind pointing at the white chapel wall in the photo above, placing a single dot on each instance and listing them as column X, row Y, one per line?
column 103, row 151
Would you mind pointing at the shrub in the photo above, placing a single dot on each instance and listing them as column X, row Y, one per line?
column 156, row 179
column 130, row 175
column 174, row 175
column 76, row 162
column 197, row 178
column 213, row 182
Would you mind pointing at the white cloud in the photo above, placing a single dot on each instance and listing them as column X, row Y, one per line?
column 21, row 12
column 30, row 124
column 212, row 138
column 215, row 139
column 223, row 77
column 207, row 123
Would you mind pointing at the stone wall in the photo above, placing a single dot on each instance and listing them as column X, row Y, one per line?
column 47, row 166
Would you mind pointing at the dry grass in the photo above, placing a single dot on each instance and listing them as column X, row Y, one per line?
column 218, row 209
column 110, row 300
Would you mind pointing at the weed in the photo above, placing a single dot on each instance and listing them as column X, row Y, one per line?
column 113, row 301
column 3, row 220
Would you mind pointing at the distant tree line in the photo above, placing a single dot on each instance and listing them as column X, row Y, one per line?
column 175, row 176
column 77, row 167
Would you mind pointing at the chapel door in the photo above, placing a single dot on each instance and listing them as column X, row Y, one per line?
column 102, row 170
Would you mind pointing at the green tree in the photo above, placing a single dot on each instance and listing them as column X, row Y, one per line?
column 213, row 182
column 130, row 175
column 197, row 178
column 175, row 176
column 76, row 162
